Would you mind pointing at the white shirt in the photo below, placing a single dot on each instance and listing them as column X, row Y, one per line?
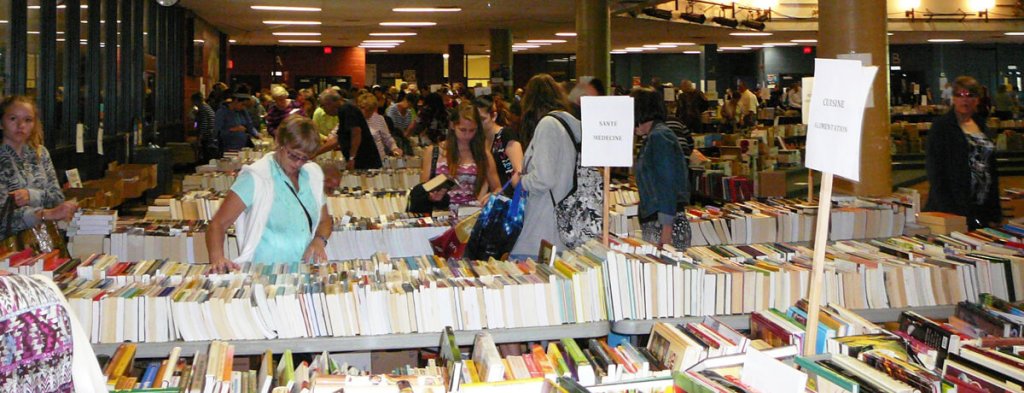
column 748, row 102
column 795, row 98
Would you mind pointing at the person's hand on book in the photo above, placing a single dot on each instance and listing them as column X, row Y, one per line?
column 438, row 194
column 315, row 252
column 223, row 265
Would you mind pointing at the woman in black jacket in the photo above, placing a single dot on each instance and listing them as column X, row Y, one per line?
column 961, row 161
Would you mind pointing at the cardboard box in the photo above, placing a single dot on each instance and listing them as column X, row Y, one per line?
column 771, row 184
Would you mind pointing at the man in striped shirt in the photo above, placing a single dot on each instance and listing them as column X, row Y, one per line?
column 208, row 144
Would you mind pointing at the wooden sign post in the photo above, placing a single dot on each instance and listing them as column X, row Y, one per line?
column 834, row 128
column 607, row 141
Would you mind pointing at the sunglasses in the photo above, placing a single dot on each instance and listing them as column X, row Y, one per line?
column 295, row 157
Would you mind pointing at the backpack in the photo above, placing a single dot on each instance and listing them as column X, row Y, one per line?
column 579, row 214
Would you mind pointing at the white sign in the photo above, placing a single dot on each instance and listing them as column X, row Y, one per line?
column 865, row 60
column 607, row 131
column 806, row 87
column 837, row 114
column 769, row 375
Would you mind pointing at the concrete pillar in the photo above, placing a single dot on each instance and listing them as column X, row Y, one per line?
column 456, row 64
column 501, row 59
column 709, row 70
column 593, row 39
column 859, row 26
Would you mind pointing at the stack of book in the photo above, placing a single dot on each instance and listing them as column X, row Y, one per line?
column 383, row 296
column 27, row 262
column 211, row 181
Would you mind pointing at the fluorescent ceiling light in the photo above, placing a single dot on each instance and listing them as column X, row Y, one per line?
column 383, row 41
column 525, row 46
column 889, row 34
column 378, row 45
column 232, row 41
column 809, row 41
column 757, row 46
column 618, row 52
column 566, row 34
column 677, row 43
column 396, row 34
column 750, row 34
column 408, row 24
column 725, row 48
column 427, row 9
column 942, row 40
column 641, row 49
column 299, row 41
column 545, row 41
column 284, row 8
column 291, row 22
column 1012, row 33
column 692, row 52
column 781, row 43
column 634, row 49
column 378, row 51
column 296, row 33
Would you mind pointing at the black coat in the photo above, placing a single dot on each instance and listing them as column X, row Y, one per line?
column 949, row 174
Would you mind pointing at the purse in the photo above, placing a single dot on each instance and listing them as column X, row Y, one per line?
column 42, row 238
column 498, row 227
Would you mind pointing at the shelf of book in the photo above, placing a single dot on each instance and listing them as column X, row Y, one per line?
column 742, row 321
column 369, row 343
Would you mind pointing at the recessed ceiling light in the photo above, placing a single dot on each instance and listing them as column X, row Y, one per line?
column 942, row 40
column 291, row 22
column 383, row 41
column 296, row 33
column 378, row 51
column 427, row 9
column 781, row 43
column 725, row 48
column 809, row 41
column 283, row 8
column 3, row 21
column 1007, row 33
column 889, row 34
column 408, row 24
column 299, row 41
column 545, row 41
column 199, row 41
column 566, row 34
column 232, row 41
column 692, row 52
column 750, row 34
column 677, row 43
column 396, row 34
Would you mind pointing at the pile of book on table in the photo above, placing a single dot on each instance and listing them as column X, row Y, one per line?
column 704, row 356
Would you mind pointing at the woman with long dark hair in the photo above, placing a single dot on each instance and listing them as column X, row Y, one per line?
column 504, row 142
column 432, row 122
column 549, row 161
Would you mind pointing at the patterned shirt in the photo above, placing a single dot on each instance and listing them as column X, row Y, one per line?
column 981, row 148
column 465, row 175
column 381, row 135
column 205, row 119
column 27, row 170
column 36, row 348
column 276, row 115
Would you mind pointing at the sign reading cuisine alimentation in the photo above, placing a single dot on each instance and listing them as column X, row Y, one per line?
column 836, row 115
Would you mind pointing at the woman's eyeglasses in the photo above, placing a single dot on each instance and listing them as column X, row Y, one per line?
column 966, row 94
column 295, row 157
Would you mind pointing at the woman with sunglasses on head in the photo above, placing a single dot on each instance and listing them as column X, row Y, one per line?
column 277, row 205
column 961, row 161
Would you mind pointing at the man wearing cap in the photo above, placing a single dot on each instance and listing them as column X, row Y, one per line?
column 233, row 124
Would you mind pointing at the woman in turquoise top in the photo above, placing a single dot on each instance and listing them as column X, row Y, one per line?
column 277, row 205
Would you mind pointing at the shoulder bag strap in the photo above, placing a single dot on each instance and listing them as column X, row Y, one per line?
column 309, row 219
column 576, row 146
column 433, row 160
